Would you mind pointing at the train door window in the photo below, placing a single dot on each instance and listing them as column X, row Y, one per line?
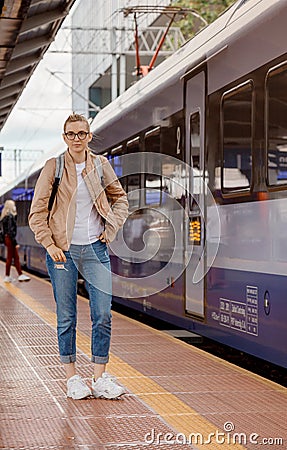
column 195, row 181
column 152, row 178
column 195, row 139
column 237, row 129
column 277, row 125
column 173, row 173
column 173, row 182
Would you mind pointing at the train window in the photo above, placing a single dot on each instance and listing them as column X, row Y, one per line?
column 277, row 125
column 237, row 128
column 23, row 208
column 152, row 189
column 133, row 145
column 196, row 187
column 117, row 150
column 133, row 189
column 152, row 140
column 133, row 181
column 173, row 182
column 152, row 177
column 116, row 162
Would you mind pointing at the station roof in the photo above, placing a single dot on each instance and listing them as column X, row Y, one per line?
column 27, row 28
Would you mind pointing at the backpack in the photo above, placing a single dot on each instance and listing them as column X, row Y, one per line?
column 59, row 172
column 2, row 236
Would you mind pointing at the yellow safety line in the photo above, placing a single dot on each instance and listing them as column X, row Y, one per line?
column 216, row 359
column 176, row 413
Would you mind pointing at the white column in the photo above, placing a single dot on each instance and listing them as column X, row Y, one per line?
column 114, row 69
column 123, row 68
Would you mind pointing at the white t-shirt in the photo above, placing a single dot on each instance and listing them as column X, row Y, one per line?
column 88, row 223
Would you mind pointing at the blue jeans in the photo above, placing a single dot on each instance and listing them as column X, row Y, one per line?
column 93, row 263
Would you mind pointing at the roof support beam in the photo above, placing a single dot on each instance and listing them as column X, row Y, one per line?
column 9, row 101
column 5, row 111
column 27, row 46
column 20, row 63
column 10, row 91
column 37, row 2
column 15, row 78
column 42, row 19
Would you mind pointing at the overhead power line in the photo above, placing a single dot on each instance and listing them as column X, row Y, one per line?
column 167, row 10
column 93, row 105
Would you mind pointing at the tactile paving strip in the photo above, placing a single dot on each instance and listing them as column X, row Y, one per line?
column 121, row 430
column 31, row 407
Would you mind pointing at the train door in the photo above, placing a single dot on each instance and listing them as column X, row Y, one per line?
column 195, row 229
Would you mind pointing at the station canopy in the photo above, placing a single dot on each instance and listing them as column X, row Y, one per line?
column 27, row 28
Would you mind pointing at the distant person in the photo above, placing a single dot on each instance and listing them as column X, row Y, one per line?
column 9, row 225
column 83, row 219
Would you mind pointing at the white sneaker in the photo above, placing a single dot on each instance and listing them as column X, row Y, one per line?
column 106, row 387
column 23, row 277
column 8, row 279
column 77, row 388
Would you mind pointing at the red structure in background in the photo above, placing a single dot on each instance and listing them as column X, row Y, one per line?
column 171, row 12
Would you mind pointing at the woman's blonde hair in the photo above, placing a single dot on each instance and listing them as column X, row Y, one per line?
column 76, row 118
column 9, row 208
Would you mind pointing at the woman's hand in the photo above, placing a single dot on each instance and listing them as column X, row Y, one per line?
column 103, row 237
column 56, row 253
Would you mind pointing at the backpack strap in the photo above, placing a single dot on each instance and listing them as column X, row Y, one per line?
column 2, row 236
column 59, row 172
column 58, row 175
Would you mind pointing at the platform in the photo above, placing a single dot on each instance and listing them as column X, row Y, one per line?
column 177, row 396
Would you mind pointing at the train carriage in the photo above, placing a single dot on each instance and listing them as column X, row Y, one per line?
column 200, row 146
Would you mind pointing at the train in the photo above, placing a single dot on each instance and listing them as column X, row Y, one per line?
column 200, row 146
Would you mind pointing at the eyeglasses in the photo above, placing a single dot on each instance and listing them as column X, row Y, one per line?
column 81, row 135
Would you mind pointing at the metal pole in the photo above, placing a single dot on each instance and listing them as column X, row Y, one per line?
column 138, row 62
column 1, row 150
column 19, row 160
column 160, row 44
column 122, row 64
column 15, row 162
column 114, row 74
column 92, row 105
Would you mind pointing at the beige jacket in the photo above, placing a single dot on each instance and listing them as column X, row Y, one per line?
column 111, row 202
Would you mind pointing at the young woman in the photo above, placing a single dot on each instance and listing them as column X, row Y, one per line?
column 9, row 224
column 83, row 219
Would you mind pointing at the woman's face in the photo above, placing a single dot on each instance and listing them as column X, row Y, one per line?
column 77, row 136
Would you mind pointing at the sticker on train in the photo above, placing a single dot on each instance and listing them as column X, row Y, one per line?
column 240, row 316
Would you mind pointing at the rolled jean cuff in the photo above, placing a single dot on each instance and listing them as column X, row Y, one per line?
column 67, row 359
column 100, row 359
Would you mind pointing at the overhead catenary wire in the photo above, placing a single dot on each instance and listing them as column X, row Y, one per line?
column 92, row 104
